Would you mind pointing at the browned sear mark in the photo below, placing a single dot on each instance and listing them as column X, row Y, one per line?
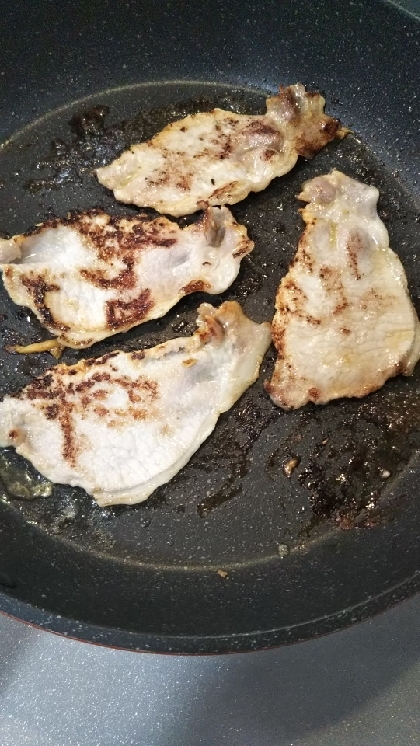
column 101, row 411
column 63, row 397
column 196, row 286
column 268, row 154
column 242, row 249
column 277, row 335
column 125, row 280
column 340, row 307
column 138, row 355
column 120, row 313
column 314, row 394
column 224, row 191
column 354, row 247
column 38, row 289
column 315, row 136
column 51, row 411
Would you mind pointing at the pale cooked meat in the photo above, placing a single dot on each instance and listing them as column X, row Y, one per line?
column 125, row 423
column 344, row 321
column 91, row 275
column 217, row 158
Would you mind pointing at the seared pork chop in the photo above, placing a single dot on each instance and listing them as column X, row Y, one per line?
column 123, row 424
column 91, row 275
column 344, row 320
column 217, row 158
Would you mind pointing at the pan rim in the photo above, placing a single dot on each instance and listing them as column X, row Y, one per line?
column 242, row 642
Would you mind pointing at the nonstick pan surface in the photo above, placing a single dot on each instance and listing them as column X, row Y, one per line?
column 233, row 553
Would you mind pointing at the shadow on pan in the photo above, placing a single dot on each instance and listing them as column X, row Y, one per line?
column 146, row 577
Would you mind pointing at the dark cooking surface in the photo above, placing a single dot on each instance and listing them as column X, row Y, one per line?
column 232, row 508
column 348, row 453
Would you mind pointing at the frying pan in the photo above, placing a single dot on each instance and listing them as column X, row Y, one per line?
column 232, row 554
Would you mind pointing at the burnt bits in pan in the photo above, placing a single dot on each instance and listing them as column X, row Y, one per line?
column 238, row 498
